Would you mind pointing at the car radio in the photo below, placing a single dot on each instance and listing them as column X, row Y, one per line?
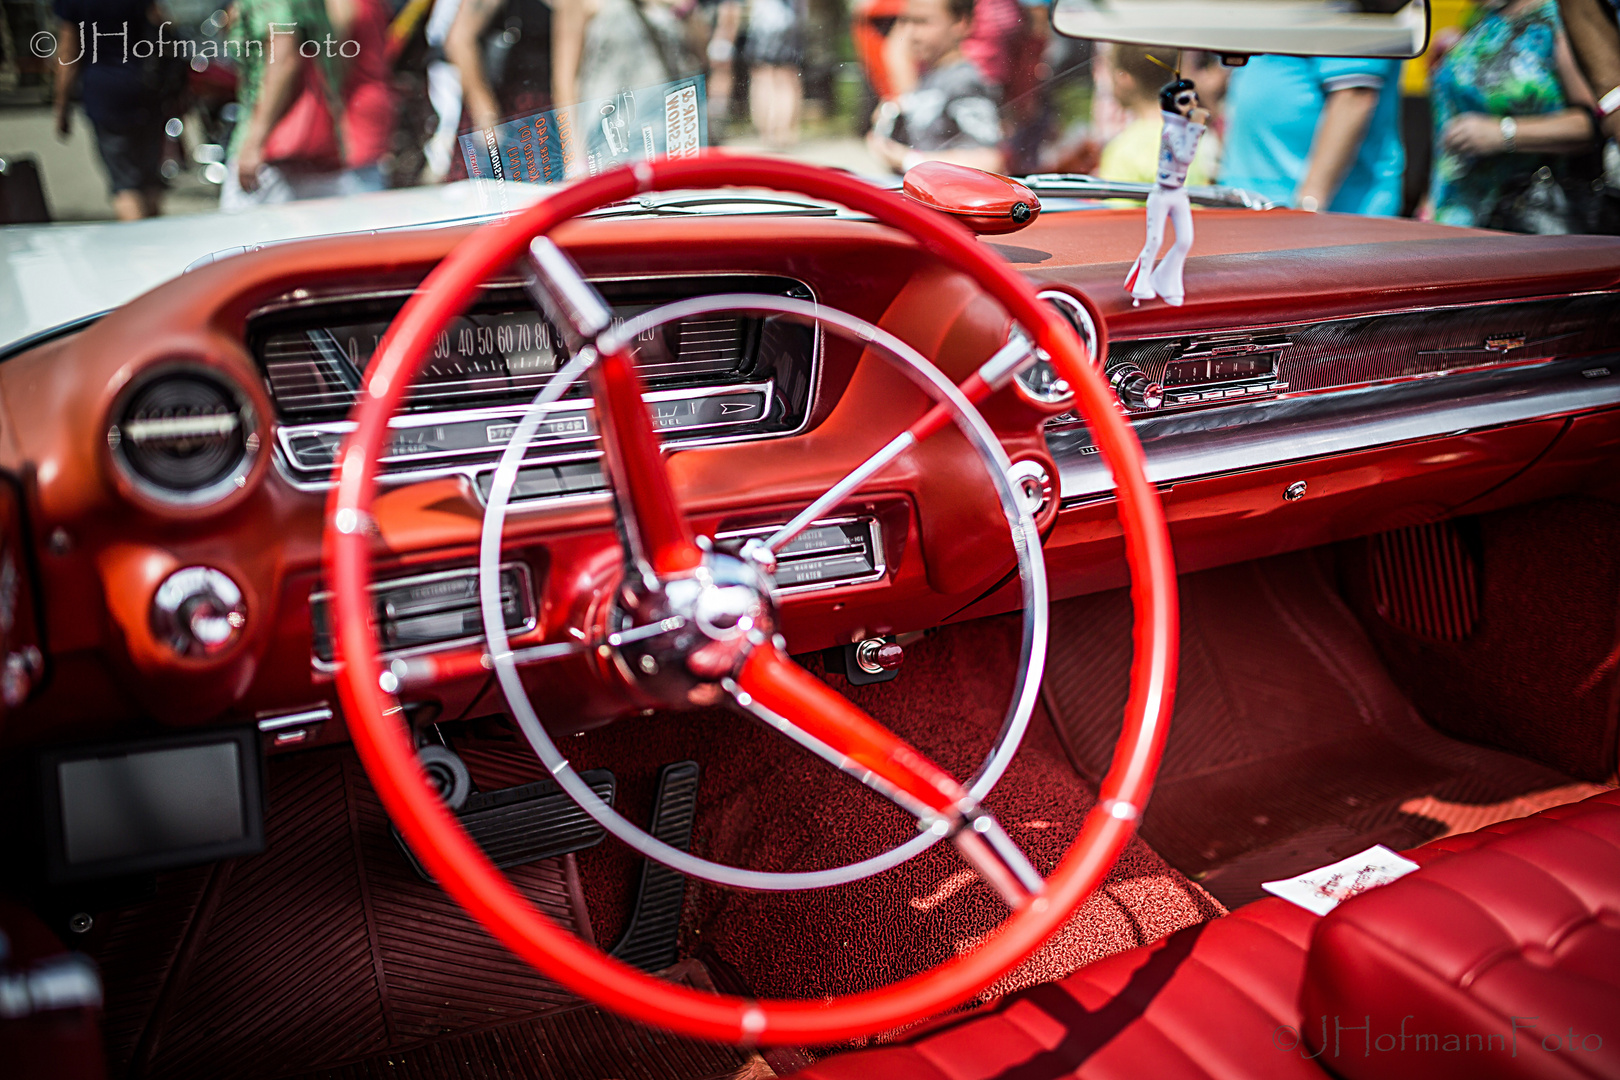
column 1214, row 369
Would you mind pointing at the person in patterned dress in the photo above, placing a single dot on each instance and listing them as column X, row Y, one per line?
column 1508, row 101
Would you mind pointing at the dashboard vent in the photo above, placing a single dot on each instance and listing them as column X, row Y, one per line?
column 184, row 437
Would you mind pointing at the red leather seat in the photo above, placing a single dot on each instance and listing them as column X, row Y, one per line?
column 1520, row 916
column 1501, row 960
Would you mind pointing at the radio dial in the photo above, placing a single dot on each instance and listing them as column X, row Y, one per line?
column 1135, row 389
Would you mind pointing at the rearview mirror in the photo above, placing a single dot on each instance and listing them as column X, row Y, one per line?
column 1379, row 28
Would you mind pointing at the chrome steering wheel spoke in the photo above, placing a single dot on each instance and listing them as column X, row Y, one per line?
column 406, row 672
column 992, row 375
column 791, row 701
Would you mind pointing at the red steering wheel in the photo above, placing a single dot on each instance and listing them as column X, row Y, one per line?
column 752, row 663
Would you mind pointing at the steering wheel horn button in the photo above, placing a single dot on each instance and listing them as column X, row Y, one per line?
column 677, row 636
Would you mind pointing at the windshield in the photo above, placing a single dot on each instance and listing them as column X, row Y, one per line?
column 118, row 109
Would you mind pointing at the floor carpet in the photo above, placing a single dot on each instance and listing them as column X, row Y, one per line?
column 1291, row 747
column 327, row 956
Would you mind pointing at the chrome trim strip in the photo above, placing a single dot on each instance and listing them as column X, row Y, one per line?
column 335, row 296
column 1462, row 305
column 1249, row 435
column 319, row 715
column 525, row 594
column 408, row 421
column 1084, row 186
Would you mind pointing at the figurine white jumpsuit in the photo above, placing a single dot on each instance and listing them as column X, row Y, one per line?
column 1177, row 145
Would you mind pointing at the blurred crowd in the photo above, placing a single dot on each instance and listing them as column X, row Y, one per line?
column 1517, row 101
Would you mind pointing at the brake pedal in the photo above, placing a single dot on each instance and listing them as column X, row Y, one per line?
column 527, row 823
column 652, row 935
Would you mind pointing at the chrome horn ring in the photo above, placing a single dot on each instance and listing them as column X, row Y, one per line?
column 1025, row 539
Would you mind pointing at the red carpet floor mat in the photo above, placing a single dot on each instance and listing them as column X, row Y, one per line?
column 1291, row 746
column 327, row 955
column 767, row 804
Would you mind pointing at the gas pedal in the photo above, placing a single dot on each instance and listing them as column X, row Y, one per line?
column 651, row 936
column 527, row 823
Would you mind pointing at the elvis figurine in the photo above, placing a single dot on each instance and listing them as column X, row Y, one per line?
column 1183, row 126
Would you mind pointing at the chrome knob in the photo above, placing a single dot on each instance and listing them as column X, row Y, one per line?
column 15, row 680
column 1135, row 389
column 1032, row 484
column 198, row 612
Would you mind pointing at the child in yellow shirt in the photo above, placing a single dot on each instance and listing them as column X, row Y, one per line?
column 1133, row 154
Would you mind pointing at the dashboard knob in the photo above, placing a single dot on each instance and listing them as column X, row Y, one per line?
column 1135, row 389
column 876, row 656
column 198, row 612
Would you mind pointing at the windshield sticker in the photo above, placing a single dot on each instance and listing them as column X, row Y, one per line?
column 1324, row 889
column 669, row 120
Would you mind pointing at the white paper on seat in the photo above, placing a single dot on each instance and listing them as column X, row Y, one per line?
column 1323, row 889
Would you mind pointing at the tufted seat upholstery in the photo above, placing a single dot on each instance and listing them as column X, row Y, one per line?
column 1504, row 957
column 1520, row 919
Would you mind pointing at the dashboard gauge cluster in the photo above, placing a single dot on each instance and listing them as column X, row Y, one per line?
column 722, row 376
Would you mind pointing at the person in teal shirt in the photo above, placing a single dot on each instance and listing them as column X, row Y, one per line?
column 1317, row 133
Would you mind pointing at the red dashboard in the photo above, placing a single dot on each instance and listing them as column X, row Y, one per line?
column 1520, row 405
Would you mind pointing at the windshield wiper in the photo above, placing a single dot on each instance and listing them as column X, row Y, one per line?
column 1081, row 186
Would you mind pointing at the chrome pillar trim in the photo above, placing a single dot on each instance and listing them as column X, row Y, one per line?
column 1250, row 435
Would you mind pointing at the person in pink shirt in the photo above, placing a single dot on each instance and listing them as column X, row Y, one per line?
column 321, row 104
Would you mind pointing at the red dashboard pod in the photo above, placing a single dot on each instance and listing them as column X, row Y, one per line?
column 985, row 202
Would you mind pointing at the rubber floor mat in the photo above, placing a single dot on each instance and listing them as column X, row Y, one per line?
column 328, row 956
column 1290, row 747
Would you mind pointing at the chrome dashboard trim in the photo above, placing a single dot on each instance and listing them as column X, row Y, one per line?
column 531, row 609
column 406, row 421
column 1422, row 309
column 301, row 480
column 1246, row 436
column 320, row 714
column 874, row 532
column 297, row 299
